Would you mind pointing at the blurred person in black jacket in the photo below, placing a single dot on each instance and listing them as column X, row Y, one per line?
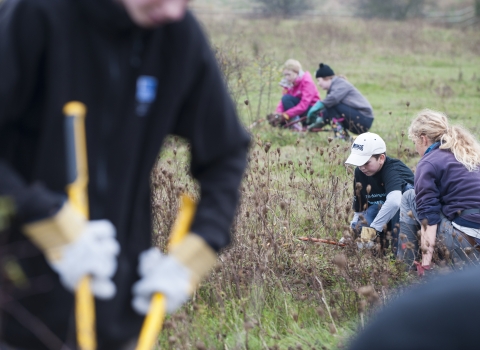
column 144, row 70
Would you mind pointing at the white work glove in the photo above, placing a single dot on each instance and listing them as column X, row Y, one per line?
column 93, row 253
column 164, row 274
column 175, row 275
column 74, row 248
column 365, row 245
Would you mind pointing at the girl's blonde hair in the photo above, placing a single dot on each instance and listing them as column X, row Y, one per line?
column 293, row 65
column 434, row 125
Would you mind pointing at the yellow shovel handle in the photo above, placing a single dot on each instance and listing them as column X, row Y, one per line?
column 85, row 315
column 156, row 314
column 184, row 219
column 153, row 322
column 77, row 191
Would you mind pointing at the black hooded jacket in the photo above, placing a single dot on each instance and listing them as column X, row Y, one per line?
column 138, row 85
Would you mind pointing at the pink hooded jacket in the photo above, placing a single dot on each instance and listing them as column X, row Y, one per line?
column 305, row 89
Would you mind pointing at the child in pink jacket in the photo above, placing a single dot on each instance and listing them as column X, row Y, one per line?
column 299, row 95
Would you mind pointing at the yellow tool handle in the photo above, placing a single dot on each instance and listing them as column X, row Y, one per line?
column 153, row 322
column 77, row 165
column 85, row 315
column 77, row 190
column 156, row 314
column 184, row 219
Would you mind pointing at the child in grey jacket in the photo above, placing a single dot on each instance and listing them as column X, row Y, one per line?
column 344, row 106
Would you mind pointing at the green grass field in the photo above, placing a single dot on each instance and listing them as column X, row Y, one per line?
column 266, row 291
column 391, row 63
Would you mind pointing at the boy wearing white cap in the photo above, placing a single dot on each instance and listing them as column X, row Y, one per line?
column 379, row 182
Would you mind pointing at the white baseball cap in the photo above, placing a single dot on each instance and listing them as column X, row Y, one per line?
column 365, row 146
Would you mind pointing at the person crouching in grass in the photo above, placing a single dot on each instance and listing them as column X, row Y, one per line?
column 378, row 184
column 445, row 205
column 299, row 95
column 344, row 106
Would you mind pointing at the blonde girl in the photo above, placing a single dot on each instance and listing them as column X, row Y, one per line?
column 300, row 93
column 446, row 199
